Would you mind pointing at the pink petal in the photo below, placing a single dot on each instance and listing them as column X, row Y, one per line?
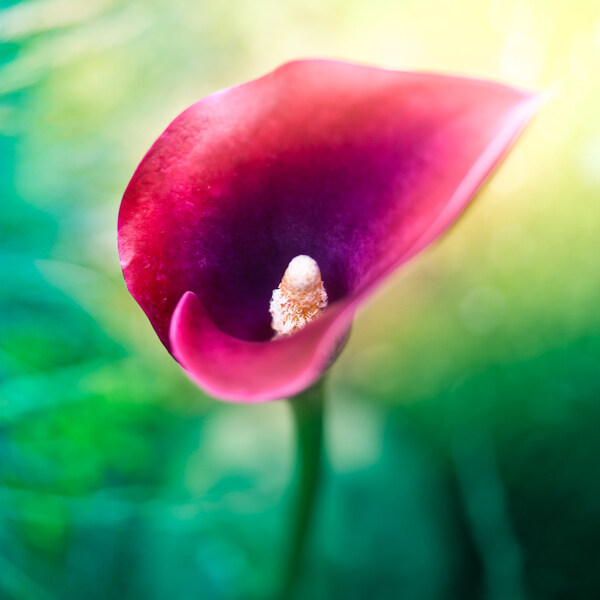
column 358, row 167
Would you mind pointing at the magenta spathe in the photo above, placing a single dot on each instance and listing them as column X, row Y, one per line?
column 358, row 167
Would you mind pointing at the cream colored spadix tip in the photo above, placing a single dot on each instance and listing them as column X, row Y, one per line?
column 299, row 298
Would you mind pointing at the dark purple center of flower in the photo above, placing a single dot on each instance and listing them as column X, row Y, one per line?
column 308, row 202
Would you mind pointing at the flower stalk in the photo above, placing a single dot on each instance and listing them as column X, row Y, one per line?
column 307, row 411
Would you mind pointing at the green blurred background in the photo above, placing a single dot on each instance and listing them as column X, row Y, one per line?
column 462, row 433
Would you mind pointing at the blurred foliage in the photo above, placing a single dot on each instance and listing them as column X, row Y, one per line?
column 462, row 431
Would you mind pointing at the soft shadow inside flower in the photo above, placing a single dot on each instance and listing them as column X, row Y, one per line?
column 307, row 202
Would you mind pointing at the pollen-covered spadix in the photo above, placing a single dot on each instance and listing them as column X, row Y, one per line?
column 300, row 297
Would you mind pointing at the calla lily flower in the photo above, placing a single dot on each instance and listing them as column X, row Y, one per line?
column 359, row 168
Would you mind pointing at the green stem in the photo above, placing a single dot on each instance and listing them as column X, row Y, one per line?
column 307, row 411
